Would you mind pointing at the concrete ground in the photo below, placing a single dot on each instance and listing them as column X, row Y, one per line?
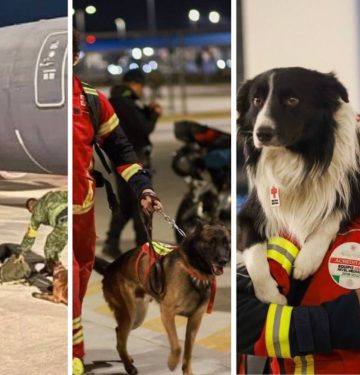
column 148, row 344
column 33, row 334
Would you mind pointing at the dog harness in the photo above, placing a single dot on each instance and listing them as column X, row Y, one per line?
column 160, row 251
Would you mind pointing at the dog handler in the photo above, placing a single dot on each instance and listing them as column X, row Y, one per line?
column 50, row 209
column 114, row 142
column 318, row 332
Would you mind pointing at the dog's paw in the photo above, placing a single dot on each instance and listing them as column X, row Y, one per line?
column 131, row 369
column 305, row 265
column 268, row 292
column 174, row 358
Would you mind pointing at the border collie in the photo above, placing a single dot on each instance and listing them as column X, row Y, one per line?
column 302, row 157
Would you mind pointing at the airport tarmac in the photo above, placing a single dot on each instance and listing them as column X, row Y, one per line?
column 148, row 344
column 35, row 332
column 33, row 335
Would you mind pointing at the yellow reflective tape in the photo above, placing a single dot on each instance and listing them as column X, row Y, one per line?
column 162, row 249
column 78, row 337
column 130, row 171
column 286, row 244
column 280, row 258
column 78, row 319
column 284, row 331
column 310, row 364
column 31, row 232
column 269, row 330
column 78, row 340
column 304, row 365
column 89, row 90
column 79, row 209
column 77, row 325
column 298, row 366
column 109, row 125
column 277, row 331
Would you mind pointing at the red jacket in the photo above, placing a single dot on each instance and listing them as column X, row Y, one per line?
column 112, row 140
column 313, row 334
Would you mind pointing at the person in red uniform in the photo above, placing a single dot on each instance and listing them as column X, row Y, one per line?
column 115, row 144
column 318, row 331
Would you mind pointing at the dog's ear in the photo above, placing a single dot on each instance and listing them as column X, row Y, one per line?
column 333, row 89
column 243, row 101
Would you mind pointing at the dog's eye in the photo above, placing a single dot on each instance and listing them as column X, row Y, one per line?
column 292, row 101
column 258, row 102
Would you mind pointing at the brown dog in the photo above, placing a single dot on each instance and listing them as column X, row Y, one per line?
column 189, row 274
column 59, row 292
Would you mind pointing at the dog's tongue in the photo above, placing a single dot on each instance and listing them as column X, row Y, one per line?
column 218, row 270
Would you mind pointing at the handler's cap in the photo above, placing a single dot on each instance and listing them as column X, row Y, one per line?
column 135, row 75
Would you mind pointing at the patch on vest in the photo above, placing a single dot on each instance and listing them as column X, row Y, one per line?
column 344, row 265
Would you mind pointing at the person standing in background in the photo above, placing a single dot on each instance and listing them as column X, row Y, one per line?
column 138, row 122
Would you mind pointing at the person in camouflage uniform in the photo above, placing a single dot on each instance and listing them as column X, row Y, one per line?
column 51, row 209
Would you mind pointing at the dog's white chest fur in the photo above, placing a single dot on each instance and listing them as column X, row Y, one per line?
column 305, row 203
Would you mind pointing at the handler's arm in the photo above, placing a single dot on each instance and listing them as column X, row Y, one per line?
column 285, row 331
column 30, row 236
column 119, row 150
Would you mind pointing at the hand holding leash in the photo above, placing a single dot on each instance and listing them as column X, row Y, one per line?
column 149, row 202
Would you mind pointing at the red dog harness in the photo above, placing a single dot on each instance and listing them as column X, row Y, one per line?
column 160, row 251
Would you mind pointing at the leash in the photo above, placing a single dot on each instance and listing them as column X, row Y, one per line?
column 172, row 223
column 156, row 274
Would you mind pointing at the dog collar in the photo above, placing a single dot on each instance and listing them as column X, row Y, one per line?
column 203, row 279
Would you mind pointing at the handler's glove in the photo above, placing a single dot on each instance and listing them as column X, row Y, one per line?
column 149, row 202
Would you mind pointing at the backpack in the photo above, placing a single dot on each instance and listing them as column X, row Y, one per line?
column 14, row 271
column 93, row 102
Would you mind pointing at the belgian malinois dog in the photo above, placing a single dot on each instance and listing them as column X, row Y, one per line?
column 189, row 273
column 59, row 292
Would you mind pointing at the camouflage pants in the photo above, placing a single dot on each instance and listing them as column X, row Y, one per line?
column 56, row 241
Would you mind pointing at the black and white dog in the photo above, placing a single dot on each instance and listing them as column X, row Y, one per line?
column 302, row 156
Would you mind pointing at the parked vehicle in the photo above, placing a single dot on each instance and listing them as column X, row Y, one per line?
column 205, row 163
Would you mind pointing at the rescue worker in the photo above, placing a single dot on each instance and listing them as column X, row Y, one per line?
column 318, row 331
column 138, row 122
column 51, row 210
column 115, row 144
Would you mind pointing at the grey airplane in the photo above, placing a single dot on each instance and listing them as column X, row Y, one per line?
column 33, row 97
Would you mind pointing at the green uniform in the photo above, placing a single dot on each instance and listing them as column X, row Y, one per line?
column 51, row 209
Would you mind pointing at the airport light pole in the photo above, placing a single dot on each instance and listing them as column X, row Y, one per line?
column 151, row 12
column 120, row 27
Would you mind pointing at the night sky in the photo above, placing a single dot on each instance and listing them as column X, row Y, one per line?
column 21, row 11
column 170, row 14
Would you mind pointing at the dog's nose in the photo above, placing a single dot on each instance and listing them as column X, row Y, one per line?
column 265, row 134
column 222, row 261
